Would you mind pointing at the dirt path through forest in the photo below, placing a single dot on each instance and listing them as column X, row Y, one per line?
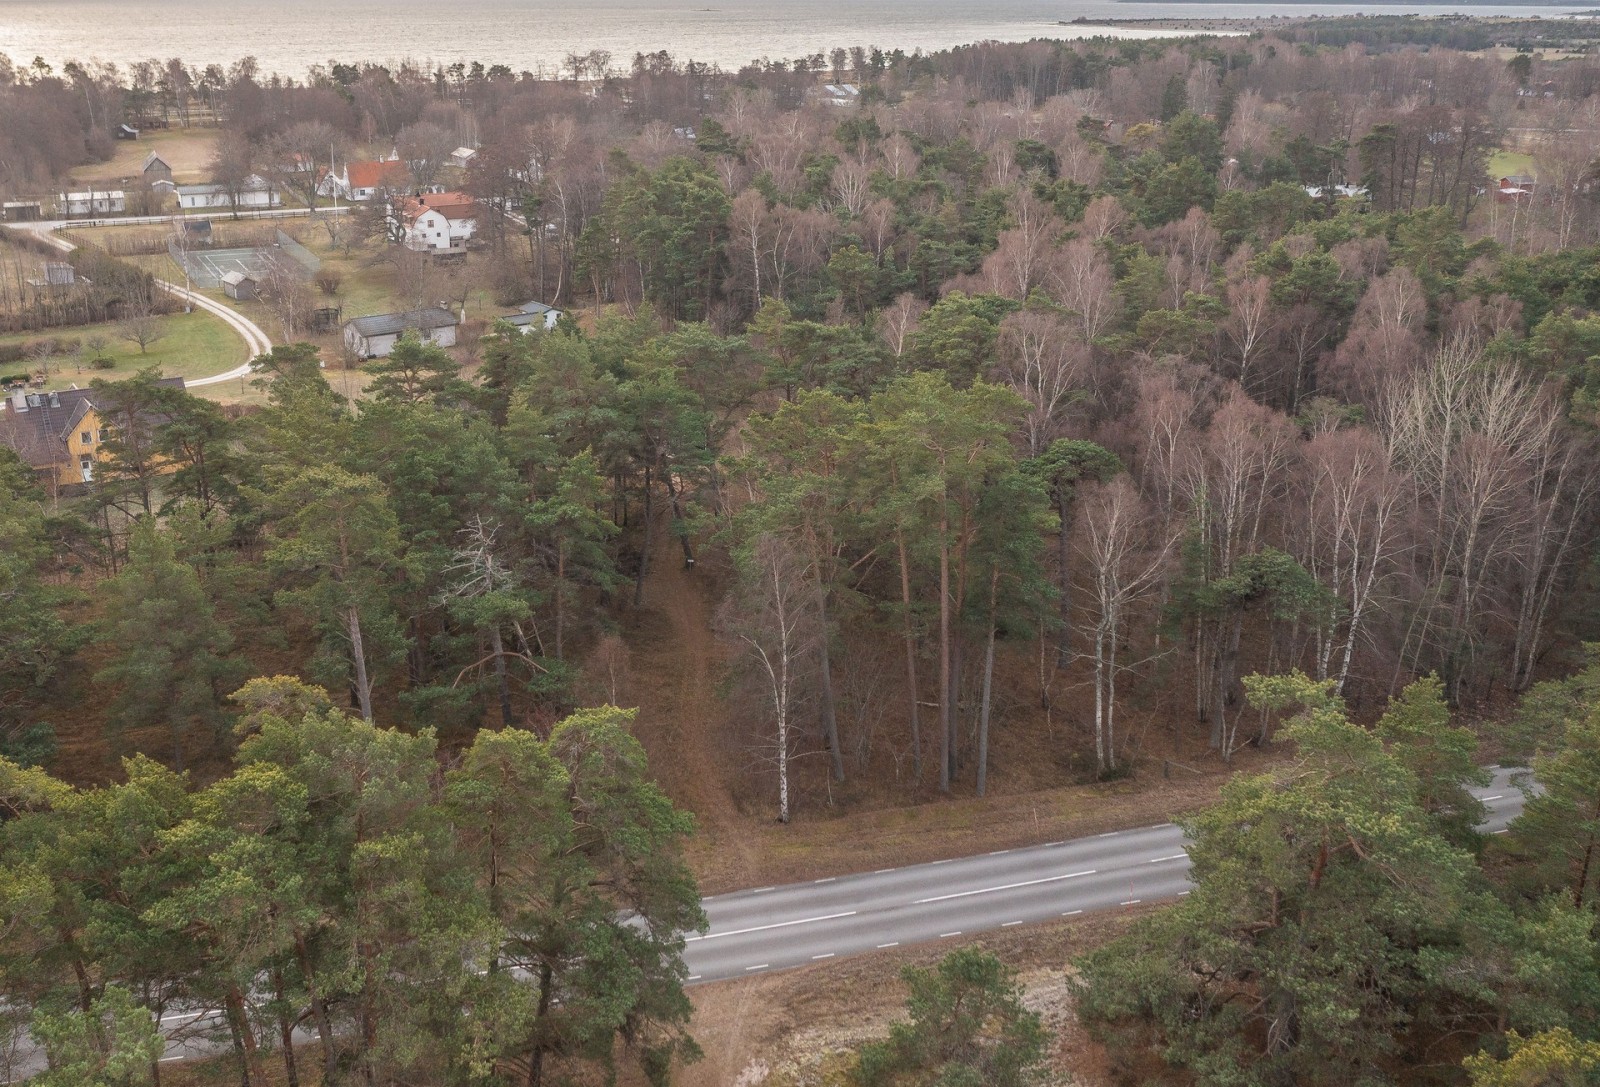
column 677, row 664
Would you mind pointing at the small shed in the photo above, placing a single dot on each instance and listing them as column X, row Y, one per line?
column 155, row 168
column 125, row 132
column 197, row 231
column 23, row 211
column 462, row 157
column 240, row 286
column 532, row 315
column 375, row 336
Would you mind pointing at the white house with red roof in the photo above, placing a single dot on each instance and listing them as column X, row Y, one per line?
column 363, row 181
column 435, row 222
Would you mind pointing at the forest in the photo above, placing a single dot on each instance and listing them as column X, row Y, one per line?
column 1123, row 401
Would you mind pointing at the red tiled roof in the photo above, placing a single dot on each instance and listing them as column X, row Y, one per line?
column 452, row 205
column 372, row 175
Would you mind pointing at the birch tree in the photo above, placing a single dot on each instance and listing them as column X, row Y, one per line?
column 1124, row 556
column 774, row 616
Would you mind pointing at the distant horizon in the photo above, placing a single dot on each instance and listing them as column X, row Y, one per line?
column 726, row 33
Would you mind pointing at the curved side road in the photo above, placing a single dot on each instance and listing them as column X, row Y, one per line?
column 255, row 340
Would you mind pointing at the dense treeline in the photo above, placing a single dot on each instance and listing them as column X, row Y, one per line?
column 1092, row 379
column 517, row 917
column 1349, row 925
column 1057, row 374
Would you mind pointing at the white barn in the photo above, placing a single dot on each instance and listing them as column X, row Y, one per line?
column 375, row 336
column 94, row 202
column 254, row 192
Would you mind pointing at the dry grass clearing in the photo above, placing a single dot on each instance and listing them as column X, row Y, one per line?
column 187, row 150
column 800, row 1026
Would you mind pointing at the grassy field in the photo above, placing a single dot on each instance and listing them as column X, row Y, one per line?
column 1504, row 163
column 188, row 151
column 192, row 345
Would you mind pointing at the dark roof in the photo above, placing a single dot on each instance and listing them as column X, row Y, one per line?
column 387, row 324
column 536, row 307
column 39, row 433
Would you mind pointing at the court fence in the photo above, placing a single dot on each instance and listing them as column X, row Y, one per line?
column 206, row 267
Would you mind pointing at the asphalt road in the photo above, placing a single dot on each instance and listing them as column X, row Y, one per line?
column 797, row 924
column 775, row 928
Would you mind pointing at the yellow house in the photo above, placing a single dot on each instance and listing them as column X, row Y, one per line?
column 60, row 435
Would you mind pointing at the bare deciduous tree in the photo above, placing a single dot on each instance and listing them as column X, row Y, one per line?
column 141, row 325
column 1124, row 556
column 775, row 617
column 1042, row 358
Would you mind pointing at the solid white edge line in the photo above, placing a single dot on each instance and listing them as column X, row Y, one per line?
column 1007, row 887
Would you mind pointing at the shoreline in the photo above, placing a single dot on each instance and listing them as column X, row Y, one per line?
column 1244, row 24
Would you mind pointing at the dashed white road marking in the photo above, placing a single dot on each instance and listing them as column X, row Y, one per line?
column 1008, row 924
column 830, row 879
column 1174, row 857
column 1072, row 913
column 1132, row 902
column 947, row 935
column 763, row 928
column 892, row 943
column 761, row 966
column 828, row 955
column 1005, row 887
column 1497, row 796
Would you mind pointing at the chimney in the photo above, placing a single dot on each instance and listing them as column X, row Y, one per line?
column 19, row 400
column 55, row 400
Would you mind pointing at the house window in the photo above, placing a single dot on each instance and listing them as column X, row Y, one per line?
column 88, row 437
column 102, row 433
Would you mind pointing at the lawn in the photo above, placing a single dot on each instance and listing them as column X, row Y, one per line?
column 191, row 345
column 1505, row 163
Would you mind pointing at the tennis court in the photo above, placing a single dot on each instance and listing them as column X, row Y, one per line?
column 206, row 267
